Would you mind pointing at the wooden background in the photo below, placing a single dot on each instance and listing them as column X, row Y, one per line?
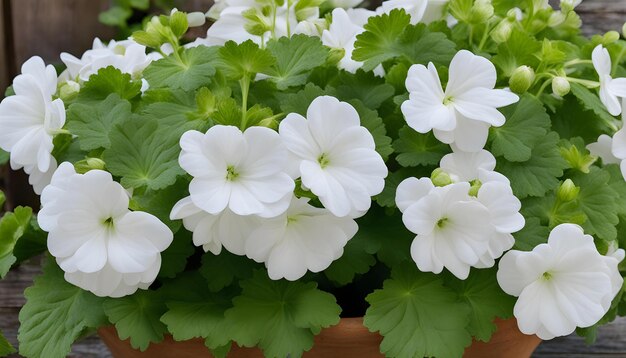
column 48, row 27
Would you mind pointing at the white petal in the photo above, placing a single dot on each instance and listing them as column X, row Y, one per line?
column 411, row 190
column 468, row 71
column 327, row 117
column 481, row 104
column 601, row 61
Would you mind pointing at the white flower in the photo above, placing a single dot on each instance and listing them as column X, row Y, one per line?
column 360, row 16
column 425, row 11
column 244, row 172
column 602, row 149
column 213, row 231
column 341, row 35
column 30, row 119
column 561, row 285
column 335, row 156
column 470, row 166
column 610, row 88
column 463, row 113
column 101, row 245
column 38, row 179
column 127, row 56
column 453, row 229
column 303, row 238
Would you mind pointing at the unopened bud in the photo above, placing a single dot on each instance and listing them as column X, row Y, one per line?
column 610, row 37
column 515, row 14
column 68, row 91
column 481, row 11
column 502, row 31
column 560, row 86
column 196, row 19
column 567, row 191
column 336, row 54
column 522, row 79
column 85, row 165
column 440, row 178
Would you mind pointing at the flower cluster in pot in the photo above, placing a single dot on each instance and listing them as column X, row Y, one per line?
column 456, row 161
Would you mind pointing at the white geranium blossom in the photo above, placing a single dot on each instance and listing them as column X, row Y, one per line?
column 610, row 88
column 100, row 244
column 562, row 284
column 603, row 149
column 127, row 56
column 341, row 35
column 303, row 238
column 470, row 166
column 40, row 179
column 244, row 172
column 30, row 119
column 464, row 112
column 335, row 156
column 214, row 231
column 425, row 11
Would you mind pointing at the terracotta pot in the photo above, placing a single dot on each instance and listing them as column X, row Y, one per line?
column 348, row 339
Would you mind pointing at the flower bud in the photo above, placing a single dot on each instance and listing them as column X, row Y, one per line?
column 567, row 191
column 68, row 91
column 481, row 11
column 610, row 37
column 522, row 78
column 624, row 30
column 556, row 19
column 179, row 23
column 515, row 14
column 560, row 86
column 85, row 165
column 440, row 177
column 502, row 31
column 336, row 54
column 196, row 19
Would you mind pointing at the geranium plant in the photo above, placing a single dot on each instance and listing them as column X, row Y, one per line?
column 429, row 165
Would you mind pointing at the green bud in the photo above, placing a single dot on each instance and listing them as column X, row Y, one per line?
column 85, row 165
column 481, row 11
column 567, row 191
column 476, row 184
column 502, row 31
column 257, row 23
column 560, row 86
column 610, row 37
column 270, row 122
column 514, row 14
column 522, row 79
column 179, row 23
column 440, row 177
column 68, row 90
column 624, row 30
column 336, row 54
column 556, row 19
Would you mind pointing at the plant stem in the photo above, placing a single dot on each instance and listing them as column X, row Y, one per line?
column 244, row 83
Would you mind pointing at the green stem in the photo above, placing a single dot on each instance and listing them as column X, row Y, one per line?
column 483, row 41
column 245, row 88
column 586, row 83
column 543, row 87
column 577, row 62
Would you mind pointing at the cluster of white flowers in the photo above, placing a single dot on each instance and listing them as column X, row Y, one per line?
column 464, row 222
column 241, row 196
column 562, row 284
column 101, row 245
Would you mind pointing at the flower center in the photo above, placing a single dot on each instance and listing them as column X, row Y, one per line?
column 475, row 187
column 323, row 160
column 108, row 223
column 442, row 222
column 547, row 276
column 448, row 100
column 292, row 219
column 231, row 174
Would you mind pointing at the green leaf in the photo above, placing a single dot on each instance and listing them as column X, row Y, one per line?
column 526, row 123
column 245, row 59
column 197, row 313
column 415, row 149
column 12, row 228
column 280, row 317
column 376, row 126
column 390, row 36
column 600, row 203
column 160, row 202
column 143, row 155
column 519, row 50
column 299, row 102
column 222, row 270
column 418, row 316
column 533, row 234
column 92, row 124
column 357, row 259
column 573, row 120
column 540, row 173
column 486, row 300
column 137, row 317
column 107, row 81
column 4, row 157
column 5, row 347
column 365, row 87
column 55, row 315
column 591, row 101
column 194, row 68
column 174, row 258
column 295, row 58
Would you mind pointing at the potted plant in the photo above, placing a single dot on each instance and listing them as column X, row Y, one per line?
column 426, row 179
